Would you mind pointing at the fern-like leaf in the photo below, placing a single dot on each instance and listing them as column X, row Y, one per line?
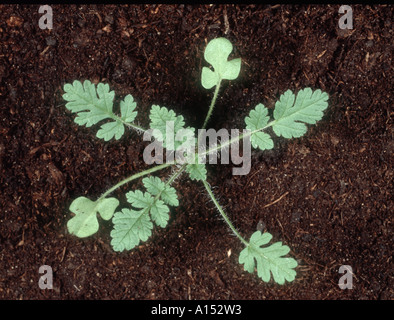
column 94, row 105
column 268, row 259
column 130, row 227
column 133, row 226
column 258, row 118
column 156, row 207
column 197, row 171
column 292, row 112
column 155, row 186
column 165, row 124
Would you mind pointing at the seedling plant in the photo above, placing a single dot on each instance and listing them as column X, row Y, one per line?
column 134, row 224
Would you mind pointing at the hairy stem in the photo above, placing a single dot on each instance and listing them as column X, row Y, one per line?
column 171, row 180
column 221, row 211
column 168, row 183
column 135, row 176
column 215, row 95
column 128, row 124
column 176, row 174
column 231, row 141
column 134, row 126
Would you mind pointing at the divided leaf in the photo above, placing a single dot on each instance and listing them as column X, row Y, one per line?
column 258, row 118
column 110, row 130
column 216, row 53
column 158, row 210
column 85, row 222
column 154, row 185
column 268, row 259
column 116, row 128
column 197, row 171
column 165, row 124
column 93, row 105
column 290, row 112
column 139, row 199
column 132, row 226
column 127, row 107
column 160, row 213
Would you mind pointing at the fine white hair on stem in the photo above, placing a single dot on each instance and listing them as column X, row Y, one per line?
column 136, row 127
column 215, row 209
column 174, row 172
column 223, row 214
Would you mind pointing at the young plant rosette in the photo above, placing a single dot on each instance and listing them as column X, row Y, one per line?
column 151, row 206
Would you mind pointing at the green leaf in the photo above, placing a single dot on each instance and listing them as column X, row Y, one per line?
column 110, row 130
column 156, row 207
column 130, row 227
column 258, row 118
column 186, row 140
column 94, row 105
column 155, row 186
column 232, row 69
column 139, row 199
column 291, row 113
column 165, row 124
column 127, row 107
column 159, row 213
column 216, row 53
column 209, row 78
column 91, row 105
column 197, row 171
column 268, row 259
column 85, row 222
column 262, row 141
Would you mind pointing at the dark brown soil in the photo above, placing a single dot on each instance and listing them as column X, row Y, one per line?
column 334, row 185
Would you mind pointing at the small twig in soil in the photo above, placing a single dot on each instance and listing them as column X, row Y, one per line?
column 277, row 200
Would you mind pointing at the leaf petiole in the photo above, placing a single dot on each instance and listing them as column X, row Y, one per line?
column 233, row 140
column 223, row 214
column 215, row 95
column 133, row 177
